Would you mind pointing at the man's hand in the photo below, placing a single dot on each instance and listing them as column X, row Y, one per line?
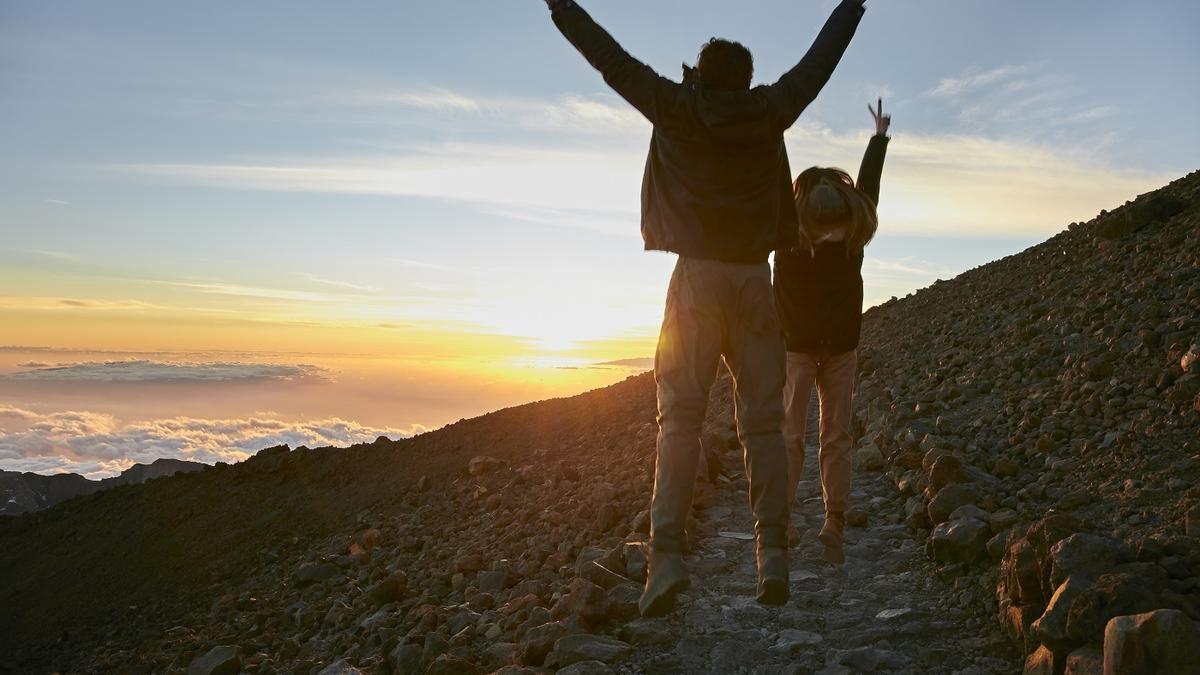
column 882, row 122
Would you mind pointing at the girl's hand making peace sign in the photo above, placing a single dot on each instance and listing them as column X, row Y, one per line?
column 882, row 122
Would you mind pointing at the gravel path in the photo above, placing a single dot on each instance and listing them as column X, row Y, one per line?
column 885, row 610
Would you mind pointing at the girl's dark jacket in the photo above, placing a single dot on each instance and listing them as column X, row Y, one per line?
column 717, row 183
column 820, row 296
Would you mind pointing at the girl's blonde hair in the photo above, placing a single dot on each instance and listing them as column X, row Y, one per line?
column 861, row 222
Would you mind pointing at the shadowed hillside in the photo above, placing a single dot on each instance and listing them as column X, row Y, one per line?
column 1066, row 377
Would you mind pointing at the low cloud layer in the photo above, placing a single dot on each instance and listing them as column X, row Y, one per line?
column 96, row 445
column 155, row 371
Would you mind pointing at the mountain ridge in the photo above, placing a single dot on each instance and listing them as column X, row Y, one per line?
column 26, row 492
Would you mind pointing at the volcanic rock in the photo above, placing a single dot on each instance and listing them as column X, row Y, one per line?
column 221, row 660
column 1162, row 641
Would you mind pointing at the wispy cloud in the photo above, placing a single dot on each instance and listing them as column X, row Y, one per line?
column 141, row 370
column 432, row 98
column 1030, row 101
column 59, row 202
column 97, row 445
column 50, row 304
column 972, row 80
column 343, row 284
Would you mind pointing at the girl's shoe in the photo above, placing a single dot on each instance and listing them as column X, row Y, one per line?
column 831, row 537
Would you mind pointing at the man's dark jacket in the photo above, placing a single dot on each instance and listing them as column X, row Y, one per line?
column 819, row 293
column 717, row 183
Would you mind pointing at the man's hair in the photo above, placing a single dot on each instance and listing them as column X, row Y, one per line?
column 854, row 210
column 724, row 64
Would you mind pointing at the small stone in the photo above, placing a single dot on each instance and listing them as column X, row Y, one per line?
column 406, row 659
column 1042, row 662
column 483, row 464
column 494, row 581
column 468, row 563
column 856, row 519
column 586, row 668
column 869, row 458
column 340, row 667
column 623, row 602
column 1162, row 641
column 1191, row 525
column 960, row 540
column 791, row 641
column 584, row 647
column 586, row 602
column 1003, row 519
column 311, row 573
column 1084, row 661
column 390, row 589
column 1006, row 468
column 635, row 561
column 971, row 511
column 888, row 614
column 220, row 660
column 945, row 470
column 539, row 641
column 647, row 632
column 450, row 664
column 600, row 575
column 948, row 499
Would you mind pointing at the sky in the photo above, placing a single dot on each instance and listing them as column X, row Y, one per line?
column 420, row 211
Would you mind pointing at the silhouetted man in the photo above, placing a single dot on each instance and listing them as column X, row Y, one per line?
column 717, row 190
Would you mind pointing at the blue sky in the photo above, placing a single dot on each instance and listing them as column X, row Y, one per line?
column 438, row 162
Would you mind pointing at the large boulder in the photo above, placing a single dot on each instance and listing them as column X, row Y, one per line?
column 1162, row 641
column 1082, row 555
column 1051, row 627
column 1113, row 594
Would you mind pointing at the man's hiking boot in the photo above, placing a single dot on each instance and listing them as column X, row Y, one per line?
column 831, row 537
column 667, row 577
column 772, row 575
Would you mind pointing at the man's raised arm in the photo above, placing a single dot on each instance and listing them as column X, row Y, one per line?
column 800, row 85
column 636, row 82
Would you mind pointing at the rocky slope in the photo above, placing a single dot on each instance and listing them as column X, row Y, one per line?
column 1029, row 457
column 1044, row 410
column 29, row 492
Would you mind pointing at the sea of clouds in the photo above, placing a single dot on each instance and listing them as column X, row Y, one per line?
column 97, row 445
column 145, row 370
